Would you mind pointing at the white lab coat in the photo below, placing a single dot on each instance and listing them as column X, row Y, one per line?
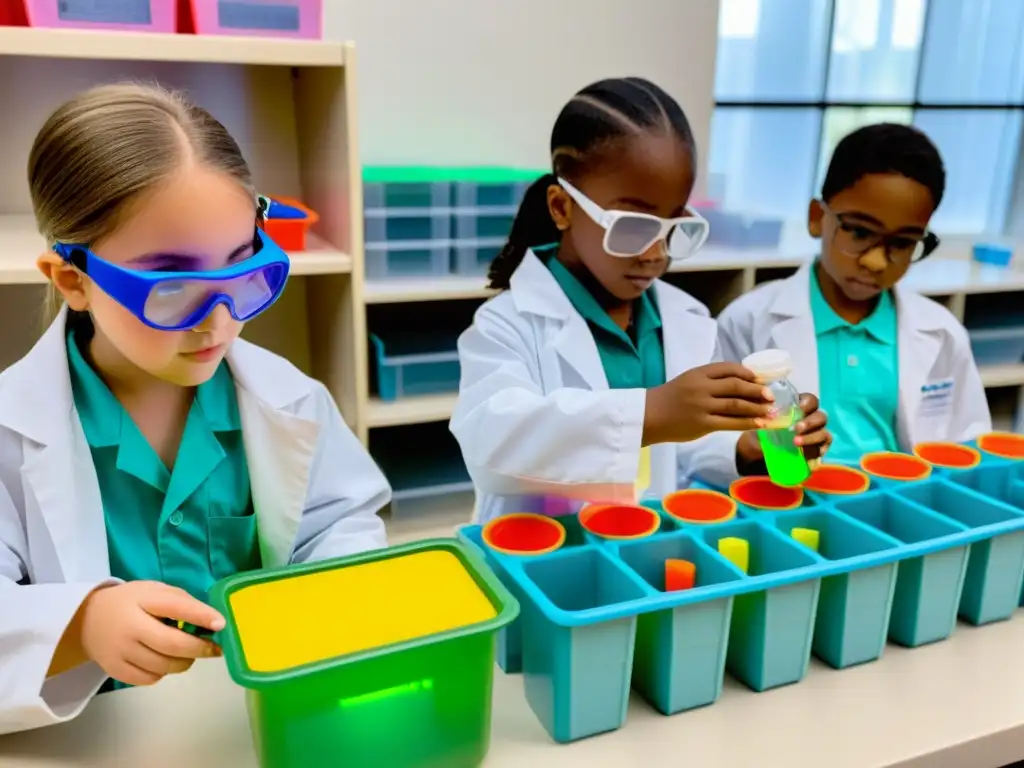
column 941, row 395
column 535, row 417
column 315, row 493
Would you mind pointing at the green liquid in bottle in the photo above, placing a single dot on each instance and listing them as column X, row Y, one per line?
column 785, row 461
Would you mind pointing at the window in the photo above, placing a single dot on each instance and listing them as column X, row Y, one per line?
column 795, row 76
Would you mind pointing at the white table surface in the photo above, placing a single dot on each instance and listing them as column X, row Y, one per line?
column 955, row 704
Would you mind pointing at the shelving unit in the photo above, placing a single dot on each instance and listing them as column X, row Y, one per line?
column 717, row 276
column 292, row 107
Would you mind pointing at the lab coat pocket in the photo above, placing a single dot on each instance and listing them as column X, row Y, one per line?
column 233, row 545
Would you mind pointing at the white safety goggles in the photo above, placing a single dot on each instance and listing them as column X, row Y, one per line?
column 628, row 234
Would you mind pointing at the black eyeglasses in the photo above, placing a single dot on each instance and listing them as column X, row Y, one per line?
column 854, row 238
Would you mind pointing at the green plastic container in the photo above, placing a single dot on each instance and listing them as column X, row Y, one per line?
column 383, row 659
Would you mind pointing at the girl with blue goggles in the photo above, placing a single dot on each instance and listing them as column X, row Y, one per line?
column 180, row 301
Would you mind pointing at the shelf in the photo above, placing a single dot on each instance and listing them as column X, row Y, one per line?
column 408, row 290
column 136, row 46
column 21, row 245
column 1011, row 375
column 720, row 258
column 410, row 410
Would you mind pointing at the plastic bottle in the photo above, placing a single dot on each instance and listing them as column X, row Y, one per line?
column 785, row 460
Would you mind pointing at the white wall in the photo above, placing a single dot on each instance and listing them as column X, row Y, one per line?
column 463, row 82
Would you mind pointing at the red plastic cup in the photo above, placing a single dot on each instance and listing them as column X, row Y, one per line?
column 837, row 480
column 890, row 465
column 524, row 533
column 698, row 506
column 619, row 521
column 760, row 492
column 948, row 455
column 1006, row 445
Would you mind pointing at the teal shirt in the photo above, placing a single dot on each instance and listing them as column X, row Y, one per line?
column 858, row 372
column 634, row 361
column 189, row 526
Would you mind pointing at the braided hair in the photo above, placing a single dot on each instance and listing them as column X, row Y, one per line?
column 595, row 119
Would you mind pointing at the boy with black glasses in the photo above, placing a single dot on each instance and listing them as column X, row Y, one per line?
column 890, row 367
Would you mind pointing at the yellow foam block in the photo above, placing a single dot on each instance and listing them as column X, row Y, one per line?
column 736, row 551
column 289, row 622
column 643, row 475
column 809, row 537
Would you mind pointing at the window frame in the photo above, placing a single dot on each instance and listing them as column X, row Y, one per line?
column 1014, row 204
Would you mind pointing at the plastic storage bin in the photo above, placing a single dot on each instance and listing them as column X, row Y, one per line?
column 577, row 673
column 415, row 363
column 420, row 461
column 928, row 587
column 510, row 638
column 734, row 229
column 290, row 234
column 399, row 194
column 483, row 223
column 122, row 15
column 339, row 654
column 772, row 628
column 387, row 225
column 995, row 566
column 997, row 346
column 474, row 257
column 680, row 653
column 468, row 194
column 254, row 18
column 852, row 622
column 992, row 253
column 395, row 260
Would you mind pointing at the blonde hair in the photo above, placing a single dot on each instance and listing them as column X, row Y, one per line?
column 100, row 152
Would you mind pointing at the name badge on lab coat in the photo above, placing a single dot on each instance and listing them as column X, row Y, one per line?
column 937, row 398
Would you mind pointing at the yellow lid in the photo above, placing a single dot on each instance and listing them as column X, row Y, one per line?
column 289, row 622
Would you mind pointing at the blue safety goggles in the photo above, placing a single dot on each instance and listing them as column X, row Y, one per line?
column 179, row 301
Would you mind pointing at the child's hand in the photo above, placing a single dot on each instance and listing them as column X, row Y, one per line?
column 121, row 629
column 812, row 432
column 712, row 398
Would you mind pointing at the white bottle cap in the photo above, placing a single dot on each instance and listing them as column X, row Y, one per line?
column 769, row 364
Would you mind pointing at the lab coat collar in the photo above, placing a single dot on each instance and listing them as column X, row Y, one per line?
column 920, row 323
column 535, row 291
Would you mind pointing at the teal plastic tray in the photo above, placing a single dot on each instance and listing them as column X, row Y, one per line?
column 899, row 562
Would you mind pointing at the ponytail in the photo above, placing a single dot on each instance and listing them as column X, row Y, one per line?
column 533, row 226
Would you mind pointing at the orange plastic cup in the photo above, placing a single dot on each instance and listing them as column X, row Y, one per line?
column 698, row 506
column 837, row 480
column 619, row 521
column 890, row 465
column 524, row 533
column 1006, row 445
column 761, row 493
column 290, row 234
column 948, row 455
